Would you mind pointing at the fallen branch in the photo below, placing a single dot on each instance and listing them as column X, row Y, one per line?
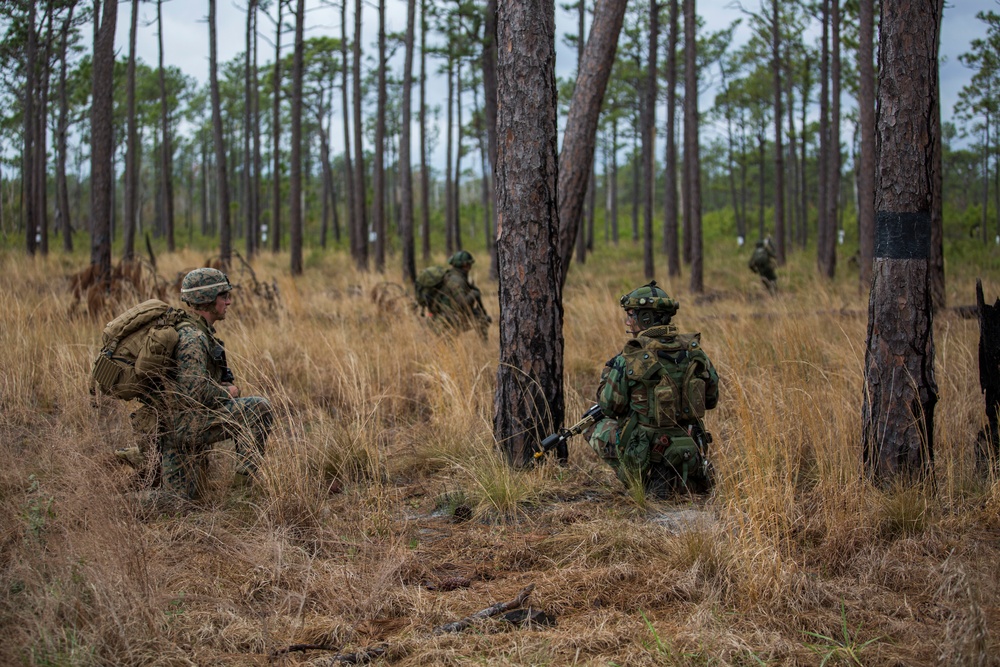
column 495, row 610
column 361, row 657
column 294, row 648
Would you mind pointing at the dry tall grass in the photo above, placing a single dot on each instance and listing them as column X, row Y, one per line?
column 385, row 510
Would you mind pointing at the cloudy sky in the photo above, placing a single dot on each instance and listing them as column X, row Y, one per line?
column 186, row 37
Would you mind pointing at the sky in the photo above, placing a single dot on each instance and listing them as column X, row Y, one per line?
column 186, row 40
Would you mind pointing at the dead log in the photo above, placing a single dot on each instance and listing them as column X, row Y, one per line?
column 495, row 610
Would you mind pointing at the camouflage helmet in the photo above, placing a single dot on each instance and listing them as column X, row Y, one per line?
column 651, row 304
column 202, row 286
column 461, row 258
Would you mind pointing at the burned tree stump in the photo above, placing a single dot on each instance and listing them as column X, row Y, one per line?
column 988, row 442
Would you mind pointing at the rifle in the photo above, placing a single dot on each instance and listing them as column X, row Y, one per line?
column 590, row 417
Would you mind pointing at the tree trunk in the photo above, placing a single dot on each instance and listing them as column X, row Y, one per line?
column 352, row 218
column 833, row 147
column 670, row 210
column 225, row 239
column 900, row 390
column 529, row 399
column 581, row 237
column 779, row 150
column 613, row 194
column 449, row 200
column 131, row 147
column 360, row 224
column 276, row 137
column 490, row 104
column 378, row 165
column 295, row 213
column 823, row 222
column 166, row 148
column 102, row 138
column 866, row 120
column 988, row 443
column 425, row 213
column 62, row 129
column 649, row 141
column 936, row 267
column 456, row 182
column 803, row 233
column 41, row 135
column 405, row 170
column 577, row 155
column 249, row 85
column 29, row 156
column 692, row 161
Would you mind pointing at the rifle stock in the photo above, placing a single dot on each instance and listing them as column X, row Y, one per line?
column 590, row 417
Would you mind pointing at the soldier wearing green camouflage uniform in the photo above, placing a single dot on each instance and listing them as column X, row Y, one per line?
column 199, row 403
column 654, row 396
column 764, row 262
column 458, row 304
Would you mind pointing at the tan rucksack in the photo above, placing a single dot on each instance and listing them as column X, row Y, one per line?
column 137, row 347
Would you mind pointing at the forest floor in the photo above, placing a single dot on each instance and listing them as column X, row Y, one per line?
column 385, row 511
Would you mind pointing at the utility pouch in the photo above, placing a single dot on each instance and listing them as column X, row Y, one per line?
column 106, row 371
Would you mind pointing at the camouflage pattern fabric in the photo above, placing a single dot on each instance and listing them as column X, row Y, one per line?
column 636, row 442
column 764, row 263
column 457, row 305
column 195, row 410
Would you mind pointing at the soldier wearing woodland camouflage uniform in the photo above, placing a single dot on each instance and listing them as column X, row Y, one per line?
column 199, row 403
column 654, row 396
column 763, row 262
column 456, row 303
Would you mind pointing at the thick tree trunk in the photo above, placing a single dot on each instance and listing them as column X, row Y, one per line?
column 692, row 160
column 405, row 170
column 866, row 120
column 225, row 232
column 649, row 142
column 295, row 213
column 529, row 399
column 988, row 443
column 900, row 390
column 102, row 138
column 577, row 155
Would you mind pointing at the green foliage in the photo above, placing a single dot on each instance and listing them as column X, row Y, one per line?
column 845, row 649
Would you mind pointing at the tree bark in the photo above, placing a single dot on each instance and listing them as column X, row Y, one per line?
column 352, row 231
column 405, row 170
column 225, row 233
column 449, row 200
column 670, row 210
column 62, row 129
column 692, row 161
column 29, row 155
column 131, row 147
column 249, row 85
column 866, row 120
column 823, row 224
column 425, row 214
column 378, row 165
column 490, row 109
column 900, row 390
column 577, row 155
column 649, row 142
column 102, row 138
column 779, row 150
column 361, row 225
column 166, row 147
column 295, row 213
column 529, row 399
column 276, row 137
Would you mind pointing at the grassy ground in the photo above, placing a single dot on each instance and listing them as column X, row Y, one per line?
column 385, row 511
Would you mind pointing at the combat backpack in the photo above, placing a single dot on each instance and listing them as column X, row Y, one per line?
column 428, row 284
column 137, row 348
column 670, row 368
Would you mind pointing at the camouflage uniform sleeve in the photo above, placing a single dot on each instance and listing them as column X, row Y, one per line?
column 193, row 377
column 612, row 393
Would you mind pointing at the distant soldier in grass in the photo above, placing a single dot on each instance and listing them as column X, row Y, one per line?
column 199, row 402
column 654, row 395
column 763, row 262
column 451, row 299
